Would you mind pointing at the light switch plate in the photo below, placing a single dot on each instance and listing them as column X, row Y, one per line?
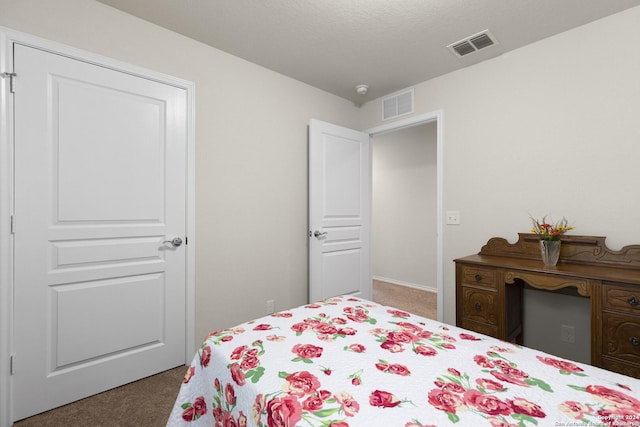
column 453, row 218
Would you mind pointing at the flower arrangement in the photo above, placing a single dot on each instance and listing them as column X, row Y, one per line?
column 549, row 232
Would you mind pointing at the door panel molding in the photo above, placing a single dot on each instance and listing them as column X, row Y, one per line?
column 8, row 38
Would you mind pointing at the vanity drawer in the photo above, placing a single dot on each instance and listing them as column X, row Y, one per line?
column 479, row 276
column 621, row 337
column 479, row 306
column 620, row 297
column 620, row 367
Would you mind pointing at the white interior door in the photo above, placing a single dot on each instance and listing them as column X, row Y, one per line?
column 339, row 211
column 100, row 184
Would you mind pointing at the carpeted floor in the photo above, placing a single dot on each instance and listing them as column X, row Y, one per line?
column 413, row 300
column 148, row 402
column 144, row 403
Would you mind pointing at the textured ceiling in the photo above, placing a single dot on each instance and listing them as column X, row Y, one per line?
column 387, row 44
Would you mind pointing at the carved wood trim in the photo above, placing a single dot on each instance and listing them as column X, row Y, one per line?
column 590, row 250
column 550, row 283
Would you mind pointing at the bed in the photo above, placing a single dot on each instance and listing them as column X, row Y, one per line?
column 347, row 361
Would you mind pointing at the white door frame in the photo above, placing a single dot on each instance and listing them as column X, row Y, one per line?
column 7, row 38
column 438, row 117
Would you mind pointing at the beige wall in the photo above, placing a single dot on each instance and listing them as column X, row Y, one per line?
column 551, row 128
column 251, row 148
column 548, row 129
column 404, row 212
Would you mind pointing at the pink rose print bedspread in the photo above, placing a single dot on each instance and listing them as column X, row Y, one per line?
column 349, row 362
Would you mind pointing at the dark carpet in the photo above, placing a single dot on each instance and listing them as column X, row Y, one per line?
column 147, row 402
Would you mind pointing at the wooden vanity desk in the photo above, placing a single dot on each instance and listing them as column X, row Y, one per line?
column 489, row 292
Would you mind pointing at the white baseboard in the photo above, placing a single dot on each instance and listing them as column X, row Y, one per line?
column 407, row 284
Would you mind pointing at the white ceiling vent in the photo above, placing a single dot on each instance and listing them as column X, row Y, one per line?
column 473, row 43
column 397, row 105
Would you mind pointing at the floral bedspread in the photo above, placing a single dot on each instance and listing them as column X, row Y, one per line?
column 349, row 362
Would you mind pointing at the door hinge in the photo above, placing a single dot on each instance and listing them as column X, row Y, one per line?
column 13, row 224
column 11, row 77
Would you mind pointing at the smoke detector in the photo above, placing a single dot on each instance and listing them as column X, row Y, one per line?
column 472, row 44
column 362, row 89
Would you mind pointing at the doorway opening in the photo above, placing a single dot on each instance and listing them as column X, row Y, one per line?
column 412, row 249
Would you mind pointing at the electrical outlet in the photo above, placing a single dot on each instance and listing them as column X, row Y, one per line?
column 271, row 306
column 568, row 334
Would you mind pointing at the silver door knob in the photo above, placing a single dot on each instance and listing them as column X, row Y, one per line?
column 175, row 242
column 318, row 235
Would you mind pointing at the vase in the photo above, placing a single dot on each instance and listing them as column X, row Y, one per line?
column 550, row 250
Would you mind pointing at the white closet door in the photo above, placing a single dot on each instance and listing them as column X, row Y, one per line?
column 100, row 184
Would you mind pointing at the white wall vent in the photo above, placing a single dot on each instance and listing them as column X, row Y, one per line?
column 473, row 43
column 397, row 105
